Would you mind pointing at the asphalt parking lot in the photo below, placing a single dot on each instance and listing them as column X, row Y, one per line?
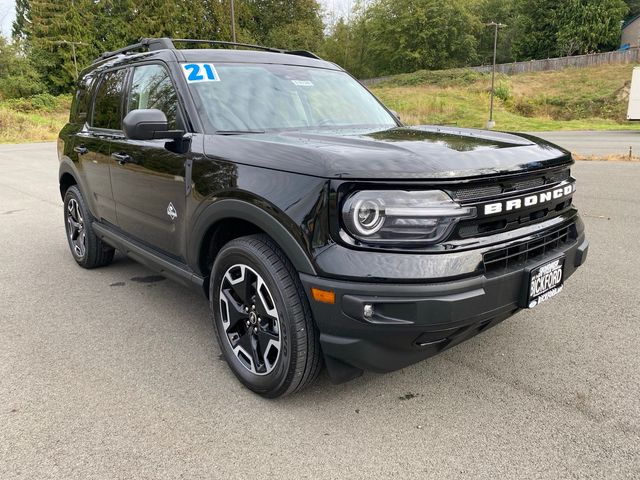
column 110, row 374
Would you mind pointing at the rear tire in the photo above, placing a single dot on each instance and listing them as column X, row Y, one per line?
column 87, row 249
column 262, row 318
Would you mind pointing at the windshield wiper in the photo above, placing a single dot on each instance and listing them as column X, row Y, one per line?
column 237, row 132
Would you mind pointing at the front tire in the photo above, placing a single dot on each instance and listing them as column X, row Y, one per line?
column 87, row 249
column 262, row 318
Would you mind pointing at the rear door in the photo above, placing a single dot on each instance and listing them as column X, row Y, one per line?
column 92, row 143
column 148, row 177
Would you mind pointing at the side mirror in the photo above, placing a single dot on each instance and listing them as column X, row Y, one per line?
column 148, row 124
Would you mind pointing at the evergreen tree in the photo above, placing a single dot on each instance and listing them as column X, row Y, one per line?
column 409, row 35
column 19, row 29
column 589, row 26
column 61, row 37
column 18, row 77
column 549, row 28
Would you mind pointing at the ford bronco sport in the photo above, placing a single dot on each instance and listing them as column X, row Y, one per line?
column 321, row 229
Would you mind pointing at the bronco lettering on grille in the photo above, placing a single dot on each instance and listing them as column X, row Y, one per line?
column 518, row 203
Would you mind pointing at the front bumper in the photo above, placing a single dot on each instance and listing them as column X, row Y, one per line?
column 416, row 321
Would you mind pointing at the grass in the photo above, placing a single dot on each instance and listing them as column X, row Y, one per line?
column 35, row 119
column 593, row 98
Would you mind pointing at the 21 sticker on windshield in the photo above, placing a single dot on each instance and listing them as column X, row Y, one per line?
column 200, row 72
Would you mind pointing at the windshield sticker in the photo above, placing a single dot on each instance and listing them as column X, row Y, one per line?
column 200, row 72
column 303, row 83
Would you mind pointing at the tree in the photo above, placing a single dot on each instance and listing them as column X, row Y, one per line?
column 18, row 77
column 500, row 11
column 20, row 25
column 549, row 28
column 292, row 24
column 537, row 29
column 588, row 26
column 634, row 8
column 409, row 35
column 60, row 36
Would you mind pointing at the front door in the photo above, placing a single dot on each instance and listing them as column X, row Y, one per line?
column 148, row 179
column 92, row 144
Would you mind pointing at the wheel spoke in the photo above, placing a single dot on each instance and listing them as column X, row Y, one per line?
column 265, row 336
column 234, row 313
column 71, row 209
column 74, row 225
column 268, row 341
column 81, row 242
column 243, row 288
column 249, row 345
column 264, row 302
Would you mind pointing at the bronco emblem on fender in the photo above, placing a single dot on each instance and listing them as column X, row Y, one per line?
column 171, row 211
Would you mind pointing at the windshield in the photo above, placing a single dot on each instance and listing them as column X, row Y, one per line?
column 243, row 97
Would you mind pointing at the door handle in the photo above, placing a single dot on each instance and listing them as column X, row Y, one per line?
column 122, row 158
column 81, row 150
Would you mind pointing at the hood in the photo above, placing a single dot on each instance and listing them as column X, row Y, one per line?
column 397, row 153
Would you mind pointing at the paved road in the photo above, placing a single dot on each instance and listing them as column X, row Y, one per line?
column 596, row 143
column 105, row 376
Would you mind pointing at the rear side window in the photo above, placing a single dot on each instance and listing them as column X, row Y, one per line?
column 152, row 88
column 81, row 100
column 107, row 109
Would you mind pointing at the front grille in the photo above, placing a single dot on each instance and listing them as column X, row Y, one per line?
column 520, row 254
column 511, row 187
column 528, row 184
column 477, row 192
column 503, row 189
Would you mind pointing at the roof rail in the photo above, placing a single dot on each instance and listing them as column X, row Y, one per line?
column 302, row 53
column 229, row 44
column 153, row 44
column 148, row 44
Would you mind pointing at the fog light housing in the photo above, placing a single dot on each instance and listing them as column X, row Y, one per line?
column 368, row 311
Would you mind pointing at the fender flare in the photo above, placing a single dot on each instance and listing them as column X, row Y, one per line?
column 67, row 166
column 229, row 208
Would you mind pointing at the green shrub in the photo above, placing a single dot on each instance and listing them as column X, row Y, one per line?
column 523, row 107
column 43, row 102
column 503, row 92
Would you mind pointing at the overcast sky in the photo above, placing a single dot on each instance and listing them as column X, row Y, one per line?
column 7, row 11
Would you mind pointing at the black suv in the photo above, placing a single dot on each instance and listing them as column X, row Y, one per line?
column 320, row 228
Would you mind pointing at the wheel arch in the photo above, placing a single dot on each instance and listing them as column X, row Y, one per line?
column 227, row 219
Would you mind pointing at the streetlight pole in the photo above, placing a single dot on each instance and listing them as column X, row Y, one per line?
column 233, row 21
column 491, row 123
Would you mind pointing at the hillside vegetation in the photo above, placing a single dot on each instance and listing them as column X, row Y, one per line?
column 34, row 119
column 592, row 98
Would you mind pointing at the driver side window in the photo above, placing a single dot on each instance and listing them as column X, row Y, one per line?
column 152, row 88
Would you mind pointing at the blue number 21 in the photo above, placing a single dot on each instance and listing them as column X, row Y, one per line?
column 195, row 72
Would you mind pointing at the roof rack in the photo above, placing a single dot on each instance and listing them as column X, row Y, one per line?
column 148, row 44
column 154, row 44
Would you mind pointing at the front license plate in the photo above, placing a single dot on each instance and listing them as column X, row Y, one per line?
column 545, row 282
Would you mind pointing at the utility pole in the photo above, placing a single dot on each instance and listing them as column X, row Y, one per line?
column 233, row 21
column 73, row 51
column 491, row 124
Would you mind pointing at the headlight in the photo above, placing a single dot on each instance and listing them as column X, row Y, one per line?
column 397, row 217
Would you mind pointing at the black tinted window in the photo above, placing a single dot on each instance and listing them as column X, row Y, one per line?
column 152, row 88
column 107, row 111
column 81, row 100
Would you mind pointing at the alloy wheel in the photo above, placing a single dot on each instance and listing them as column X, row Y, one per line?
column 250, row 319
column 76, row 228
